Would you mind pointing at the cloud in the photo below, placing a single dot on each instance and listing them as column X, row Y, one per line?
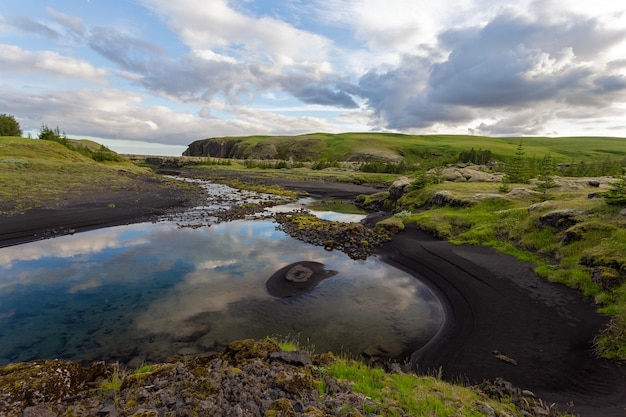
column 75, row 24
column 128, row 52
column 118, row 114
column 31, row 26
column 217, row 26
column 18, row 60
column 513, row 62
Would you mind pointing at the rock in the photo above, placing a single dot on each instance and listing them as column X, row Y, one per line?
column 297, row 358
column 541, row 205
column 559, row 219
column 467, row 173
column 297, row 278
column 606, row 277
column 399, row 187
column 373, row 202
column 521, row 193
column 38, row 411
column 571, row 236
column 32, row 382
column 487, row 410
column 445, row 198
column 488, row 196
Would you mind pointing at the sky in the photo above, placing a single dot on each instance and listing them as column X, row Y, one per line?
column 151, row 76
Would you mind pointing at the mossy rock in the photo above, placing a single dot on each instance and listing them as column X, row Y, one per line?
column 373, row 202
column 41, row 381
column 137, row 379
column 604, row 256
column 280, row 408
column 249, row 349
column 296, row 382
column 606, row 277
column 391, row 225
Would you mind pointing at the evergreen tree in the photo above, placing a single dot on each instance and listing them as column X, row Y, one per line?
column 546, row 175
column 516, row 171
column 617, row 194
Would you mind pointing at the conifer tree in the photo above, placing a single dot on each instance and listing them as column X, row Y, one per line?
column 516, row 171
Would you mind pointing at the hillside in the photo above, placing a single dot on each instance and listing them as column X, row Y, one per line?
column 45, row 174
column 391, row 147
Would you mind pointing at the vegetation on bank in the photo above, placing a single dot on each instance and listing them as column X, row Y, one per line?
column 41, row 173
column 399, row 154
column 256, row 377
column 572, row 234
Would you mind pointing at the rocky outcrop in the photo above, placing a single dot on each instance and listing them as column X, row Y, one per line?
column 253, row 378
column 215, row 148
column 559, row 219
column 249, row 378
column 354, row 239
column 399, row 187
column 467, row 173
column 446, row 198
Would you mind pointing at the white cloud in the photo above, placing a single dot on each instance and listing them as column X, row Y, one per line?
column 17, row 59
column 214, row 25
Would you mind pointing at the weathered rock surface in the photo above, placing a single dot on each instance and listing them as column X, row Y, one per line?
column 248, row 378
column 354, row 239
column 467, row 173
column 215, row 148
column 399, row 187
column 446, row 198
column 559, row 219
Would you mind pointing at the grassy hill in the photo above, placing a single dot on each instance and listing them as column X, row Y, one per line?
column 413, row 148
column 41, row 173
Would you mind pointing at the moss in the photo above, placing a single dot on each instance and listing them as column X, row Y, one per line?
column 138, row 379
column 392, row 225
column 296, row 381
column 280, row 408
column 36, row 381
column 249, row 349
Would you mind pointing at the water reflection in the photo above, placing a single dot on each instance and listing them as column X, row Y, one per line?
column 155, row 290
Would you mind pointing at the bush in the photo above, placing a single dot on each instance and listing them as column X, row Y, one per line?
column 9, row 126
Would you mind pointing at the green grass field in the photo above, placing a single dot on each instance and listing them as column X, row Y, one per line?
column 347, row 146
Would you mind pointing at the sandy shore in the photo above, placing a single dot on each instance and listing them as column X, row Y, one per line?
column 505, row 321
column 502, row 319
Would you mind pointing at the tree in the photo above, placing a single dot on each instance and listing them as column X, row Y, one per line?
column 45, row 133
column 516, row 171
column 545, row 180
column 617, row 194
column 9, row 126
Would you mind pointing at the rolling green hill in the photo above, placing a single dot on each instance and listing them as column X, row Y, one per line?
column 394, row 147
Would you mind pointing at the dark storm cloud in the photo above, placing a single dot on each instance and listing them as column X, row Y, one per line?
column 310, row 91
column 611, row 83
column 510, row 64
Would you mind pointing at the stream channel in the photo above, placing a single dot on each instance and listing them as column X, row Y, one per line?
column 189, row 284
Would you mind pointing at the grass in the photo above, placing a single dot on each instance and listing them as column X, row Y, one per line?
column 415, row 395
column 594, row 246
column 426, row 148
column 36, row 173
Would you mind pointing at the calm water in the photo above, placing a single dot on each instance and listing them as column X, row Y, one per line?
column 152, row 290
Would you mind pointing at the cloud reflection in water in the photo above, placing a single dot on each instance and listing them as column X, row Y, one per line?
column 156, row 290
